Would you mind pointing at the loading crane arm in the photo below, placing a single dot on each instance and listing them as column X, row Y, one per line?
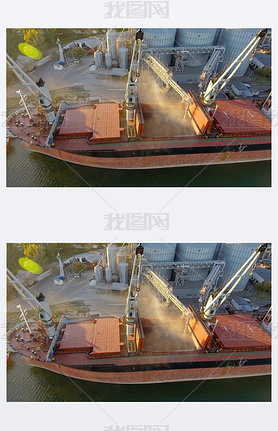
column 217, row 83
column 131, row 93
column 38, row 88
column 38, row 303
column 163, row 73
column 163, row 287
column 131, row 314
column 217, row 298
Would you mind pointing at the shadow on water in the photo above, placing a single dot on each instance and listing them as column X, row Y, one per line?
column 25, row 383
column 26, row 169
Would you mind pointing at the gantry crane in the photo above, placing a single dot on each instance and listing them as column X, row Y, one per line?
column 220, row 295
column 217, row 83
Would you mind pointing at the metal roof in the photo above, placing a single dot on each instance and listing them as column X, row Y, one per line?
column 241, row 330
column 241, row 116
column 102, row 120
column 101, row 335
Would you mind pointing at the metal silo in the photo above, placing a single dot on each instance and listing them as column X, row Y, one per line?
column 98, row 58
column 234, row 40
column 111, row 43
column 111, row 258
column 108, row 60
column 108, row 275
column 158, row 252
column 160, row 38
column 195, row 37
column 235, row 255
column 195, row 252
column 121, row 255
column 123, row 57
column 98, row 273
column 123, row 271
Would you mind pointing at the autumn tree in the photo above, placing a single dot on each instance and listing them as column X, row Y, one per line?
column 79, row 267
column 78, row 52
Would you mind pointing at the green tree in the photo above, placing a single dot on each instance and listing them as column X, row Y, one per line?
column 35, row 252
column 14, row 38
column 78, row 52
column 14, row 252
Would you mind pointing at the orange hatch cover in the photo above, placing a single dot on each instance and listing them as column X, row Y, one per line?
column 100, row 335
column 240, row 116
column 241, row 330
column 102, row 121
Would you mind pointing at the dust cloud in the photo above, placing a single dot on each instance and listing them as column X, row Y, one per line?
column 164, row 113
column 164, row 327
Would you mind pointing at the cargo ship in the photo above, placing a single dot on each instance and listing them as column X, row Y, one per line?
column 136, row 349
column 193, row 130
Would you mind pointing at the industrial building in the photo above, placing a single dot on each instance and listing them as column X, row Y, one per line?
column 185, row 51
column 187, row 267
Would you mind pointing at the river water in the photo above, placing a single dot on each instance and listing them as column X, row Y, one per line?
column 27, row 169
column 25, row 383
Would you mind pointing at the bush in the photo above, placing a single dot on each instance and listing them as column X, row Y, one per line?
column 79, row 267
column 265, row 72
column 78, row 52
column 265, row 286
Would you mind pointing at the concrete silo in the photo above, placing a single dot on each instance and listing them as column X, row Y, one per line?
column 195, row 37
column 111, row 43
column 235, row 254
column 235, row 40
column 111, row 258
column 123, row 271
column 98, row 273
column 195, row 252
column 108, row 60
column 160, row 252
column 108, row 275
column 98, row 58
column 123, row 57
column 160, row 38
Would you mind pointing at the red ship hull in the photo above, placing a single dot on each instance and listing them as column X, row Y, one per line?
column 235, row 153
column 171, row 375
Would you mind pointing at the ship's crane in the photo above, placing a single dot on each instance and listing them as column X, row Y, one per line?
column 38, row 303
column 38, row 89
column 131, row 312
column 217, row 83
column 210, row 68
column 131, row 94
column 219, row 296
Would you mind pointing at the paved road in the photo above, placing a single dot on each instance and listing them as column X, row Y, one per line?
column 77, row 289
column 77, row 74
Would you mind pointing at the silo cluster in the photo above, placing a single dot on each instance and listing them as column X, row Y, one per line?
column 235, row 40
column 160, row 252
column 195, row 37
column 188, row 252
column 235, row 255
